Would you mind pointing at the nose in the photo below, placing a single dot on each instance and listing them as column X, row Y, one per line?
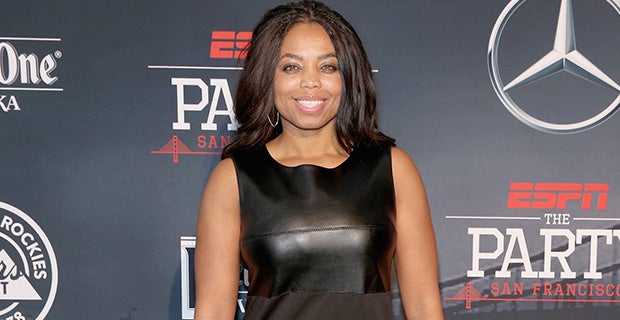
column 311, row 78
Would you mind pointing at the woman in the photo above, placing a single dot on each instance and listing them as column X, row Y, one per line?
column 311, row 197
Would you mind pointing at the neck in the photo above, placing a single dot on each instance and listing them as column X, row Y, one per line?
column 321, row 148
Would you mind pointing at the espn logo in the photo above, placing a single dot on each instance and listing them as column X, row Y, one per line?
column 229, row 44
column 550, row 195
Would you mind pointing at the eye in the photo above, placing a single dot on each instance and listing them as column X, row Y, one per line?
column 290, row 68
column 329, row 68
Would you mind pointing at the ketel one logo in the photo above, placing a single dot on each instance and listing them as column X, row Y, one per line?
column 28, row 268
column 563, row 56
column 21, row 71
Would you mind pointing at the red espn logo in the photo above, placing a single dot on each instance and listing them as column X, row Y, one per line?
column 553, row 195
column 229, row 44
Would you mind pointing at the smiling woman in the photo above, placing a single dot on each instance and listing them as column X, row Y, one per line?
column 311, row 197
column 307, row 84
column 307, row 88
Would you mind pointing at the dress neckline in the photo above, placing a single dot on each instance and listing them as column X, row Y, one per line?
column 308, row 165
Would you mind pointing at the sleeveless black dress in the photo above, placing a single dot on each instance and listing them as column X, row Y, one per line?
column 318, row 242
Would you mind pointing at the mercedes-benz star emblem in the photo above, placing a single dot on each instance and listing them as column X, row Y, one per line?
column 563, row 57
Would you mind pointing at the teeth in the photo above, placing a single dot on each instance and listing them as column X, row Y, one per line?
column 310, row 103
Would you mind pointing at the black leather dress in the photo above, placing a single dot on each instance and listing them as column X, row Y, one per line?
column 318, row 242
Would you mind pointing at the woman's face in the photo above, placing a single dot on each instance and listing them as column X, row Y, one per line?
column 307, row 84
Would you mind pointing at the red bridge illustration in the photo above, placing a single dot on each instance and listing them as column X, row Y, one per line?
column 468, row 293
column 175, row 147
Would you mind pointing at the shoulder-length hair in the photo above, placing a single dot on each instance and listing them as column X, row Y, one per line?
column 356, row 121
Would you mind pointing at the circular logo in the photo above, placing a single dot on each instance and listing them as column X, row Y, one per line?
column 28, row 268
column 563, row 57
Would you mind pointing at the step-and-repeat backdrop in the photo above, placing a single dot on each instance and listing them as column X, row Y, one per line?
column 113, row 113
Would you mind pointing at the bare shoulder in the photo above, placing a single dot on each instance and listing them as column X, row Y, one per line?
column 221, row 191
column 402, row 164
column 400, row 155
column 408, row 185
column 223, row 176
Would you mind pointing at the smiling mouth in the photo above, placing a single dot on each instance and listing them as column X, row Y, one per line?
column 310, row 104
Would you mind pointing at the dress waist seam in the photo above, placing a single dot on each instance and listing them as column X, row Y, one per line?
column 321, row 229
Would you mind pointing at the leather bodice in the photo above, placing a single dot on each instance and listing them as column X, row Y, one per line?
column 313, row 229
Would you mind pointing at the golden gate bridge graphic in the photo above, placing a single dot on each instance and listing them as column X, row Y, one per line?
column 175, row 147
column 460, row 292
column 468, row 294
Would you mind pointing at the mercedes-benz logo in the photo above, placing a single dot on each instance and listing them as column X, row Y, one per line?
column 563, row 57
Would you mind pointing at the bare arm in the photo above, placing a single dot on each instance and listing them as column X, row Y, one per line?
column 416, row 251
column 217, row 246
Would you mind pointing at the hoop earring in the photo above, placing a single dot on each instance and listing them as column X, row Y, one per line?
column 277, row 119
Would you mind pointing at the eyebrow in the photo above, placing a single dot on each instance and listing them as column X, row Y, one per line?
column 298, row 57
